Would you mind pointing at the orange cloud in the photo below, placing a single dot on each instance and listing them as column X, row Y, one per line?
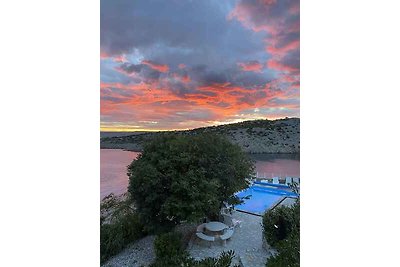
column 155, row 102
column 155, row 66
column 117, row 58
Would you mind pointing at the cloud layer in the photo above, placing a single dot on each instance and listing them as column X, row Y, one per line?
column 184, row 64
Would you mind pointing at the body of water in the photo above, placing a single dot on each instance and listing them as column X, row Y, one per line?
column 113, row 170
column 114, row 162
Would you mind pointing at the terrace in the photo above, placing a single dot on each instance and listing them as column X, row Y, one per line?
column 247, row 240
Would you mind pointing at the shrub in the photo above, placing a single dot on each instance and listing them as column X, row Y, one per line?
column 289, row 252
column 281, row 229
column 224, row 260
column 168, row 245
column 169, row 250
column 170, row 253
column 277, row 224
column 122, row 227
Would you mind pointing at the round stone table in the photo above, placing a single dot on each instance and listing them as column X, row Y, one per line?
column 216, row 226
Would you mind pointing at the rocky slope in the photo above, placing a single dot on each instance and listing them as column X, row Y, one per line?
column 259, row 136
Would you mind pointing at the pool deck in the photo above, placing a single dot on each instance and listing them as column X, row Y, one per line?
column 246, row 242
column 287, row 202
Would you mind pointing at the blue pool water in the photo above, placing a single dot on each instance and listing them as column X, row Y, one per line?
column 262, row 198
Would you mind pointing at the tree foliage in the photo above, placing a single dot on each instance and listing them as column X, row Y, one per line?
column 279, row 223
column 281, row 229
column 288, row 252
column 180, row 177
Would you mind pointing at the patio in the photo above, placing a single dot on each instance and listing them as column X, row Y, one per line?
column 246, row 242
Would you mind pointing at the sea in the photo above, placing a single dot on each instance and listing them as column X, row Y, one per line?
column 114, row 162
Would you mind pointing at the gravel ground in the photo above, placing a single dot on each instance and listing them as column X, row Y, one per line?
column 246, row 242
column 137, row 254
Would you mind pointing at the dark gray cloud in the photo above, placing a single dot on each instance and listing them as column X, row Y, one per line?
column 175, row 32
column 233, row 75
column 130, row 68
column 189, row 26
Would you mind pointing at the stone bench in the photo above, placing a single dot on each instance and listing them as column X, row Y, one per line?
column 200, row 228
column 228, row 234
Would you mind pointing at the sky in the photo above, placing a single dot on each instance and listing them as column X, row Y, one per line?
column 183, row 64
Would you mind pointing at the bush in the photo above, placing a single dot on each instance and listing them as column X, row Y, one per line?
column 169, row 250
column 289, row 252
column 224, row 260
column 278, row 224
column 168, row 245
column 282, row 230
column 170, row 253
column 121, row 228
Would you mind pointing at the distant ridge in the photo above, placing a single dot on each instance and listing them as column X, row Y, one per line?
column 256, row 136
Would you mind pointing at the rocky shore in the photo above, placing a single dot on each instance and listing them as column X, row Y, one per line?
column 259, row 136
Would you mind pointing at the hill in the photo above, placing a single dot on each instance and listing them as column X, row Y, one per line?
column 257, row 136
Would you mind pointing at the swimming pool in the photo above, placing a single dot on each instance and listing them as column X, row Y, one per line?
column 262, row 198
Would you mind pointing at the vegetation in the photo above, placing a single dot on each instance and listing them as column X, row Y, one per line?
column 268, row 136
column 289, row 252
column 179, row 178
column 281, row 229
column 170, row 253
column 168, row 245
column 119, row 226
column 279, row 223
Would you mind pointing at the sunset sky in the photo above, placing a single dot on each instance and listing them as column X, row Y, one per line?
column 185, row 64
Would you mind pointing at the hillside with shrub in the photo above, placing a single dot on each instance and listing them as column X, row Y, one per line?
column 257, row 136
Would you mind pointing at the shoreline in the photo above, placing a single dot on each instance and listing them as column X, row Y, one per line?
column 250, row 153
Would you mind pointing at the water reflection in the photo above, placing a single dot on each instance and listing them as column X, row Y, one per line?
column 281, row 165
column 113, row 169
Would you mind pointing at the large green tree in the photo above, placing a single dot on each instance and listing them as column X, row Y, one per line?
column 183, row 177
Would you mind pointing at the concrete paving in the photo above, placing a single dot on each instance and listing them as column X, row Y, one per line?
column 246, row 241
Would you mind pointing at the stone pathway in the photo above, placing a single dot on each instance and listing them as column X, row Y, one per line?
column 246, row 242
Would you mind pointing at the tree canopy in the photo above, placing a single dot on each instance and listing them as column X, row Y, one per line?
column 186, row 177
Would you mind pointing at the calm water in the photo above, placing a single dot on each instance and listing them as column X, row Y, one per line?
column 113, row 168
column 113, row 163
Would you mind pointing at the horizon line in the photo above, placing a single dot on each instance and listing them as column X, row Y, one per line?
column 104, row 129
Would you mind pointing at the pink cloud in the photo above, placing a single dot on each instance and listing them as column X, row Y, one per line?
column 251, row 66
column 280, row 21
column 120, row 59
column 274, row 64
column 156, row 66
column 103, row 55
column 282, row 50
